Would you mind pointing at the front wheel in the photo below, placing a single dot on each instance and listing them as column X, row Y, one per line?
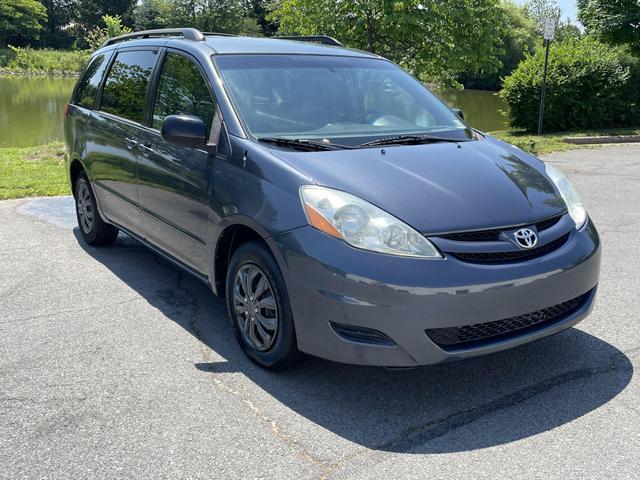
column 259, row 308
column 93, row 228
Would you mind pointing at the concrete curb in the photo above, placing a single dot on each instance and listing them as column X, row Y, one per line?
column 603, row 139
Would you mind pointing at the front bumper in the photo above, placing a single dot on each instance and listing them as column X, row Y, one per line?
column 329, row 281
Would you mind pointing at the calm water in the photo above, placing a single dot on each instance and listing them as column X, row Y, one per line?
column 482, row 109
column 31, row 109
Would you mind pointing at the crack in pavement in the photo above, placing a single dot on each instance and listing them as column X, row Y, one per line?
column 191, row 300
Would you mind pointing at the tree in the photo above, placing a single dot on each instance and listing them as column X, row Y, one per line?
column 21, row 20
column 612, row 21
column 432, row 38
column 224, row 16
column 91, row 13
column 150, row 14
column 258, row 10
column 113, row 28
column 539, row 10
column 519, row 34
column 567, row 30
column 60, row 14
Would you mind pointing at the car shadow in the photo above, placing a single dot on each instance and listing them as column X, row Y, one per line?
column 454, row 407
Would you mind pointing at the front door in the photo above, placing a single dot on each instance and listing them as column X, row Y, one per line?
column 175, row 181
column 113, row 137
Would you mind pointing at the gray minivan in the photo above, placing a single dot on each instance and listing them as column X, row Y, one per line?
column 341, row 208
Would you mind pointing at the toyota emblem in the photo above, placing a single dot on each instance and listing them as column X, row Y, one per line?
column 526, row 238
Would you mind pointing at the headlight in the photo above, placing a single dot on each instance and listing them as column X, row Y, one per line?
column 361, row 224
column 570, row 196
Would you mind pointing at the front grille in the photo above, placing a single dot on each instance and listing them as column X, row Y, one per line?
column 484, row 333
column 494, row 234
column 510, row 256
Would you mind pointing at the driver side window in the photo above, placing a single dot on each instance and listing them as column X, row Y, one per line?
column 182, row 90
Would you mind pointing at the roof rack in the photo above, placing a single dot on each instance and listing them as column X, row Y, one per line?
column 187, row 33
column 219, row 34
column 324, row 39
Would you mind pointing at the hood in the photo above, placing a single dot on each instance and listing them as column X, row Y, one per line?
column 443, row 187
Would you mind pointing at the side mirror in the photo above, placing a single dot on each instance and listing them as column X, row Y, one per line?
column 187, row 130
column 458, row 112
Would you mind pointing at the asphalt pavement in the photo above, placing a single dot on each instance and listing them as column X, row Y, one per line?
column 115, row 364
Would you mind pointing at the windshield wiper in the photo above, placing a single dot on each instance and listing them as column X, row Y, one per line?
column 409, row 140
column 309, row 145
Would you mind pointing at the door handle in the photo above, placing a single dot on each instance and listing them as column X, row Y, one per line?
column 146, row 148
column 131, row 143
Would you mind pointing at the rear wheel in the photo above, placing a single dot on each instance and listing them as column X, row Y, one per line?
column 259, row 308
column 93, row 228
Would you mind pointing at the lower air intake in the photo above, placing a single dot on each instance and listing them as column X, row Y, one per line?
column 480, row 334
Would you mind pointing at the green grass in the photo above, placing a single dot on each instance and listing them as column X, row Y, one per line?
column 33, row 171
column 30, row 61
column 548, row 143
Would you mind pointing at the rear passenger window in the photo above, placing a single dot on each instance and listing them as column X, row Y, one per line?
column 126, row 84
column 182, row 90
column 88, row 85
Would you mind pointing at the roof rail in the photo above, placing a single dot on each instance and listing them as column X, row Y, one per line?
column 219, row 34
column 324, row 39
column 187, row 33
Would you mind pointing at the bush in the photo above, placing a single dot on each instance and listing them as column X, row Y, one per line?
column 42, row 61
column 589, row 85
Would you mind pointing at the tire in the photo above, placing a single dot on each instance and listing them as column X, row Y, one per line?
column 253, row 316
column 94, row 230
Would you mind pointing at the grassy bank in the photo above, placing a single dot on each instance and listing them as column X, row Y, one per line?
column 32, row 171
column 31, row 61
column 553, row 142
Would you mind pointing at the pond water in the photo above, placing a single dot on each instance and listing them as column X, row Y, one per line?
column 31, row 109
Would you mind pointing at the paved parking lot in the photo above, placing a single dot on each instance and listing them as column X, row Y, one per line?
column 113, row 363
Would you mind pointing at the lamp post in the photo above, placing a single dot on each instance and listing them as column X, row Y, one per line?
column 548, row 33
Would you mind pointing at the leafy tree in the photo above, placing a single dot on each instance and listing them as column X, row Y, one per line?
column 539, row 10
column 21, row 20
column 113, row 28
column 60, row 14
column 150, row 14
column 224, row 16
column 519, row 34
column 613, row 21
column 91, row 12
column 432, row 38
column 567, row 30
column 258, row 11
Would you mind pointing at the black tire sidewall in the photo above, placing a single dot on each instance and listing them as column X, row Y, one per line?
column 92, row 235
column 101, row 233
column 284, row 350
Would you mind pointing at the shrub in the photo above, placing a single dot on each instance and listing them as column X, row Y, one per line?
column 589, row 85
column 47, row 61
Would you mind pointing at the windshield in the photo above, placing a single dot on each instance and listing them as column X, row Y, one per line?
column 351, row 100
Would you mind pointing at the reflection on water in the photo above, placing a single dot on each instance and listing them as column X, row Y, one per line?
column 482, row 109
column 31, row 109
